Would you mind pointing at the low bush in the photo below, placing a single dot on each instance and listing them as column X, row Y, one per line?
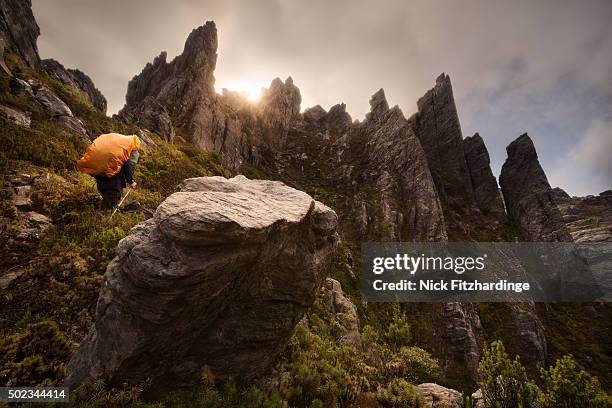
column 565, row 386
column 504, row 381
column 35, row 356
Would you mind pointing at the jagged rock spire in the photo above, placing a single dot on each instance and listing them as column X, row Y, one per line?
column 437, row 127
column 487, row 194
column 378, row 106
column 530, row 200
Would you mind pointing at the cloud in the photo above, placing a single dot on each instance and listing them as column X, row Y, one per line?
column 591, row 156
column 540, row 67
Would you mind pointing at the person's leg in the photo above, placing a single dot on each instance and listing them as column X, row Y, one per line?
column 110, row 199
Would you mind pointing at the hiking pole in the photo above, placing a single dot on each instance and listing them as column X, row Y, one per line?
column 121, row 202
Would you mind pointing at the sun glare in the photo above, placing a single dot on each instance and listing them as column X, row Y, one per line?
column 251, row 91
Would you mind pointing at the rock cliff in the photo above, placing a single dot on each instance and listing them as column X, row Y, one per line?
column 437, row 127
column 166, row 95
column 77, row 80
column 486, row 193
column 19, row 30
column 529, row 198
column 588, row 219
column 213, row 283
column 178, row 98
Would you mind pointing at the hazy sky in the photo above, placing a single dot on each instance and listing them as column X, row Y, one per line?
column 542, row 67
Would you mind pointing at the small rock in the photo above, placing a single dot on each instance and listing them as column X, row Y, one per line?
column 72, row 124
column 20, row 179
column 477, row 399
column 32, row 226
column 22, row 199
column 8, row 278
column 437, row 396
column 51, row 102
column 146, row 140
column 21, row 87
column 17, row 116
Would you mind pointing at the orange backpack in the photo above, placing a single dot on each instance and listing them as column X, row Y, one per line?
column 107, row 153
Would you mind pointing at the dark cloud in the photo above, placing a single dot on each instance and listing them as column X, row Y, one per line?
column 543, row 67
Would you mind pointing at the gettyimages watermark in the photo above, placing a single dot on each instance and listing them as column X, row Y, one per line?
column 486, row 272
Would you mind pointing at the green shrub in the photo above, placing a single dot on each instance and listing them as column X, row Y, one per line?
column 398, row 331
column 35, row 356
column 43, row 144
column 398, row 394
column 504, row 381
column 414, row 364
column 161, row 169
column 93, row 394
column 567, row 387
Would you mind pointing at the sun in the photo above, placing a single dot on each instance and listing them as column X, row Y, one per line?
column 251, row 90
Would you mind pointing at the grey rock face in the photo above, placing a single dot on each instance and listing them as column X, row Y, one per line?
column 560, row 195
column 168, row 97
column 529, row 198
column 19, row 30
column 214, row 282
column 48, row 100
column 530, row 202
column 463, row 333
column 175, row 89
column 530, row 336
column 437, row 127
column 77, row 80
column 72, row 124
column 409, row 203
column 153, row 116
column 336, row 122
column 487, row 194
column 51, row 102
column 378, row 106
column 343, row 311
column 280, row 108
column 588, row 219
column 6, row 69
column 17, row 116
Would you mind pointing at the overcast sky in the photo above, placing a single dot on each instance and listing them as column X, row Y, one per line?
column 542, row 67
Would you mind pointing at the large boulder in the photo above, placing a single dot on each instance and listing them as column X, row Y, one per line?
column 213, row 283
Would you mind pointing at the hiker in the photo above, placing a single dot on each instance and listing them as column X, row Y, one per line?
column 111, row 159
column 111, row 188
